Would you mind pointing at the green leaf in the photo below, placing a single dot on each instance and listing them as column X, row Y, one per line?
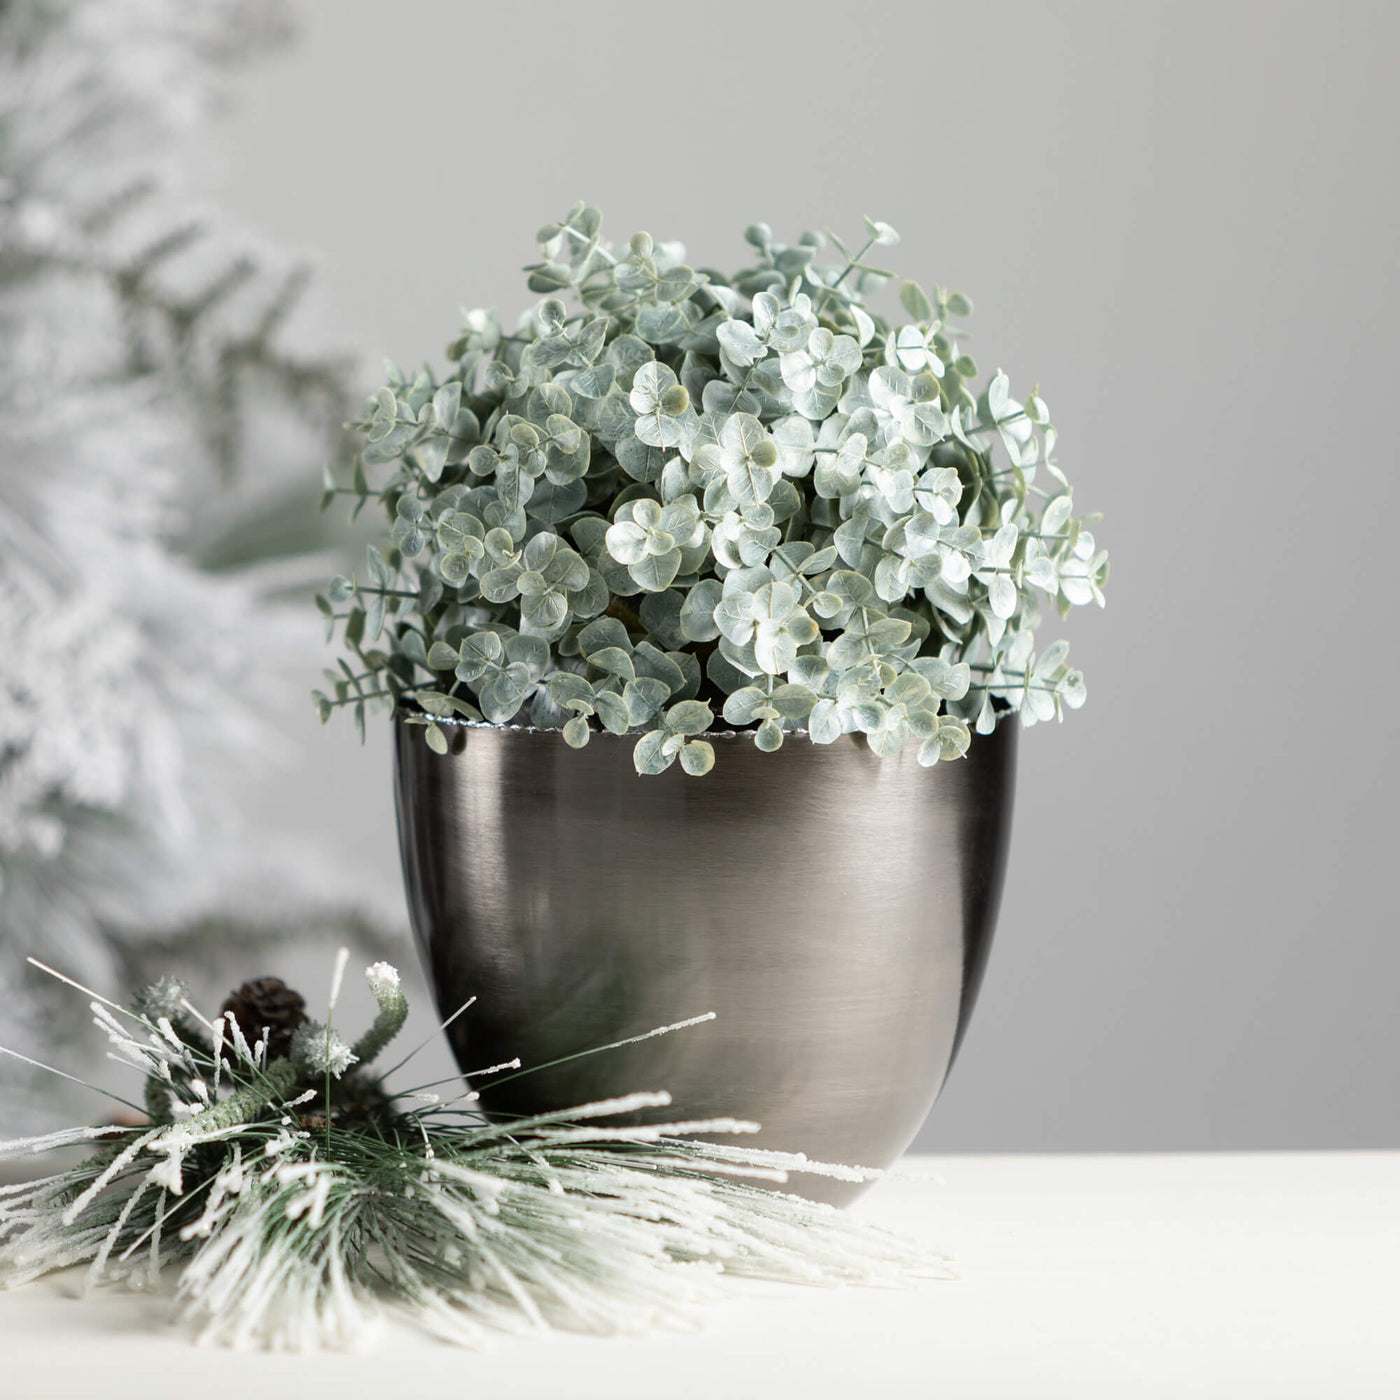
column 553, row 313
column 500, row 585
column 594, row 382
column 567, row 688
column 604, row 632
column 689, row 717
column 697, row 618
column 433, row 702
column 650, row 660
column 442, row 657
column 662, row 325
column 531, row 651
column 547, row 277
column 660, row 614
column 793, row 702
column 697, row 758
column 643, row 697
column 824, row 723
column 552, row 502
column 650, row 755
column 769, row 737
column 1056, row 514
column 881, row 232
column 950, row 742
column 504, row 692
column 613, row 661
column 612, row 711
column 478, row 654
column 742, row 707
column 655, row 572
column 914, row 300
column 378, row 568
column 676, row 284
column 546, row 612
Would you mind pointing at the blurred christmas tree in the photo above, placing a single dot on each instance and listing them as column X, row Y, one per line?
column 150, row 420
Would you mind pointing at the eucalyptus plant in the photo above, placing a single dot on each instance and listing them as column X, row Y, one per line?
column 693, row 493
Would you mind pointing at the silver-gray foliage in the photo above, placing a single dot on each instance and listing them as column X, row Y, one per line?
column 751, row 494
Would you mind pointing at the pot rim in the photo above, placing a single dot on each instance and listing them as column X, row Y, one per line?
column 403, row 716
column 458, row 722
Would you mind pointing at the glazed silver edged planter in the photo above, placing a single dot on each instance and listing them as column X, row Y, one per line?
column 834, row 909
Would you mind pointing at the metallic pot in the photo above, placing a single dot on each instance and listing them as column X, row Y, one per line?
column 833, row 908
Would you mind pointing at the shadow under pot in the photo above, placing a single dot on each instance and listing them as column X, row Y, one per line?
column 834, row 909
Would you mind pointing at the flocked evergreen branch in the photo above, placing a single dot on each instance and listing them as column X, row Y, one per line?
column 695, row 495
column 203, row 316
column 153, row 415
column 295, row 1201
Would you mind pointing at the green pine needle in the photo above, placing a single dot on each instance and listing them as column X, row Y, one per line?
column 293, row 1218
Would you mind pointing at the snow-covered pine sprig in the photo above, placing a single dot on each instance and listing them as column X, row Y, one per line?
column 297, row 1201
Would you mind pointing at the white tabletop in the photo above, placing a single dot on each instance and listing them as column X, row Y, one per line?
column 1267, row 1275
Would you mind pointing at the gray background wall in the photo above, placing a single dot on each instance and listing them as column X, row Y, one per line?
column 1180, row 220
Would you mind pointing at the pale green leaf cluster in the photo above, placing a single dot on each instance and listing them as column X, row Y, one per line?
column 689, row 493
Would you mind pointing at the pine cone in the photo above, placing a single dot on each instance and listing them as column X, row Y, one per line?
column 267, row 1003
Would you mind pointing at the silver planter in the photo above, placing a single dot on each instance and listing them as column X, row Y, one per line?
column 833, row 908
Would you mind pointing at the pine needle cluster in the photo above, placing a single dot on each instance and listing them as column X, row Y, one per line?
column 296, row 1202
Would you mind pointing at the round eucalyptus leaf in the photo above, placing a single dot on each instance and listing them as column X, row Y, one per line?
column 742, row 707
column 824, row 723
column 689, row 717
column 697, row 616
column 442, row 657
column 650, row 756
column 769, row 737
column 612, row 711
column 568, row 689
column 654, row 572
column 697, row 758
column 500, row 585
column 613, row 661
column 643, row 697
column 504, row 691
column 478, row 654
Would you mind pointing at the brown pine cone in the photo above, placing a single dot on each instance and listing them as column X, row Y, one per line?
column 266, row 1003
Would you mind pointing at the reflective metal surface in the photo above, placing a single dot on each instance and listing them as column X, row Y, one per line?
column 833, row 908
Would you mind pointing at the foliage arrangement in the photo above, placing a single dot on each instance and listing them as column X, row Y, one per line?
column 747, row 493
column 299, row 1199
